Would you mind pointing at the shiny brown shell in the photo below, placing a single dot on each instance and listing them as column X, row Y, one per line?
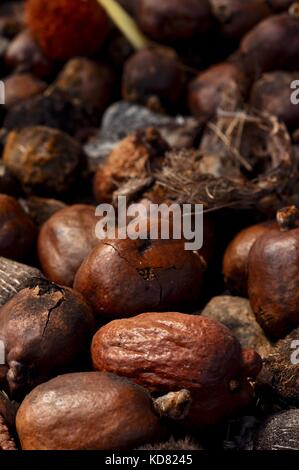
column 87, row 411
column 170, row 351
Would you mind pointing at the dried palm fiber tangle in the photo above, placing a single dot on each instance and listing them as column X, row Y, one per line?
column 243, row 158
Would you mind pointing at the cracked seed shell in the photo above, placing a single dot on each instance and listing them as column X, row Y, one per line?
column 122, row 278
column 46, row 329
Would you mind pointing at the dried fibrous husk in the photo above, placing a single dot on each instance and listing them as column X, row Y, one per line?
column 281, row 369
column 243, row 158
column 13, row 276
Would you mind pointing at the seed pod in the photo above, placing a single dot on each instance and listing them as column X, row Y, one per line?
column 46, row 330
column 20, row 87
column 76, row 31
column 273, row 276
column 88, row 82
column 221, row 85
column 109, row 413
column 44, row 159
column 236, row 314
column 237, row 17
column 17, row 232
column 40, row 209
column 235, row 260
column 154, row 77
column 263, row 48
column 24, row 55
column 143, row 275
column 174, row 20
column 282, row 369
column 279, row 432
column 65, row 240
column 134, row 157
column 170, row 351
column 272, row 92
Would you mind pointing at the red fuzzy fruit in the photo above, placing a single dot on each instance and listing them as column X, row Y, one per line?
column 65, row 28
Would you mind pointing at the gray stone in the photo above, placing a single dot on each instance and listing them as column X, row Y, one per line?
column 236, row 314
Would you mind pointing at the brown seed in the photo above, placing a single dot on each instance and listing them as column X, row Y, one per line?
column 263, row 48
column 43, row 159
column 46, row 330
column 212, row 89
column 273, row 277
column 237, row 17
column 171, row 351
column 153, row 76
column 235, row 260
column 17, row 232
column 54, row 109
column 65, row 240
column 40, row 209
column 122, row 278
column 272, row 93
column 87, row 411
column 20, row 87
column 24, row 55
column 174, row 20
column 88, row 82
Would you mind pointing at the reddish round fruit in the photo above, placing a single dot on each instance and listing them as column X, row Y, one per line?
column 65, row 240
column 212, row 88
column 19, row 87
column 87, row 411
column 171, row 351
column 235, row 261
column 273, row 276
column 17, row 231
column 65, row 29
column 154, row 77
column 122, row 278
column 174, row 20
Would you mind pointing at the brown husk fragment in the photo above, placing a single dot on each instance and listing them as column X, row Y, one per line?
column 173, row 444
column 13, row 276
column 6, row 440
column 255, row 147
column 282, row 372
